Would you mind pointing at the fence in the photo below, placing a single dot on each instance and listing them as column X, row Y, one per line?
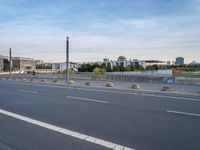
column 90, row 76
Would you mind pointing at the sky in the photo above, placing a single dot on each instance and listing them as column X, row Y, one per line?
column 142, row 29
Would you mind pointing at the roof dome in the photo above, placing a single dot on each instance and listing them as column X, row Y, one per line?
column 121, row 58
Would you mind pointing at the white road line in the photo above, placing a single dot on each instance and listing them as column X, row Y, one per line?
column 172, row 97
column 87, row 99
column 26, row 91
column 183, row 113
column 66, row 131
column 107, row 91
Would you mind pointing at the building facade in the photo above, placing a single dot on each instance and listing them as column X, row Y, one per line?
column 1, row 64
column 123, row 62
column 179, row 61
column 4, row 63
column 24, row 64
column 18, row 63
column 60, row 66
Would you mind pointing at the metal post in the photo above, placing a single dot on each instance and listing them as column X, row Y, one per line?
column 10, row 62
column 67, row 60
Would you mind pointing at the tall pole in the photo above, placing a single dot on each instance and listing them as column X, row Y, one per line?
column 67, row 60
column 10, row 65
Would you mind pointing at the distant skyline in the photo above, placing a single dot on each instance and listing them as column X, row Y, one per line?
column 145, row 29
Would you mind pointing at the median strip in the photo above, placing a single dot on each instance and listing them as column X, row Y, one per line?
column 26, row 91
column 71, row 133
column 87, row 99
column 183, row 113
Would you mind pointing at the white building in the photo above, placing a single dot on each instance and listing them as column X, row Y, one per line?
column 61, row 66
column 123, row 62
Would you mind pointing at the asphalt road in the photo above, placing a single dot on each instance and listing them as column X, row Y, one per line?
column 141, row 121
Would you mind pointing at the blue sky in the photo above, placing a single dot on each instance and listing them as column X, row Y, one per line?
column 143, row 29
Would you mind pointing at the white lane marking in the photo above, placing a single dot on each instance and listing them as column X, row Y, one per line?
column 27, row 91
column 66, row 131
column 87, row 99
column 183, row 113
column 107, row 91
column 172, row 97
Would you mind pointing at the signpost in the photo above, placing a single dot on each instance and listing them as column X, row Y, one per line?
column 10, row 65
column 67, row 60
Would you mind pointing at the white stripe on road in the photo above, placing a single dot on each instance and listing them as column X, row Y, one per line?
column 107, row 91
column 66, row 131
column 87, row 99
column 172, row 97
column 26, row 91
column 183, row 113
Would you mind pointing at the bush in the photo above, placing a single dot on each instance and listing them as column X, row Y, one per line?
column 99, row 71
column 71, row 71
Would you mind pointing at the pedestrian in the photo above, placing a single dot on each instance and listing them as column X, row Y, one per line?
column 33, row 74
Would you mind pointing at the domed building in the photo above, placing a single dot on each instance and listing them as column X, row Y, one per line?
column 121, row 58
column 122, row 61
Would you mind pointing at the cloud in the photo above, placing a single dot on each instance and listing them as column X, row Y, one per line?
column 97, row 33
column 139, row 22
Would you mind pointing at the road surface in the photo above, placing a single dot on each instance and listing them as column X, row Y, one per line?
column 45, row 117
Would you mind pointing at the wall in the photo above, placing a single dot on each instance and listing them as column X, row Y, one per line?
column 1, row 65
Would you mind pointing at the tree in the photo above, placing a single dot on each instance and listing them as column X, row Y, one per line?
column 116, row 68
column 71, row 71
column 99, row 71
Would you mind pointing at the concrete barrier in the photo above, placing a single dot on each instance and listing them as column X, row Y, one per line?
column 167, row 88
column 43, row 80
column 109, row 84
column 71, row 82
column 88, row 83
column 55, row 81
column 135, row 86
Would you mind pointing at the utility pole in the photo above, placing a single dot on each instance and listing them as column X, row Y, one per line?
column 10, row 65
column 67, row 60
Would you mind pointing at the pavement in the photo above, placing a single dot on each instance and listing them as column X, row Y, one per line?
column 125, row 85
column 43, row 116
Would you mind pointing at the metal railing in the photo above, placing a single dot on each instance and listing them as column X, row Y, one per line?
column 91, row 76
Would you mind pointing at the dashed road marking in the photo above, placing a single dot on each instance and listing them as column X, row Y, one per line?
column 173, row 97
column 183, row 113
column 107, row 91
column 27, row 91
column 74, row 134
column 88, row 99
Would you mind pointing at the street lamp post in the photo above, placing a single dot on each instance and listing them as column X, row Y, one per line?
column 10, row 65
column 67, row 60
